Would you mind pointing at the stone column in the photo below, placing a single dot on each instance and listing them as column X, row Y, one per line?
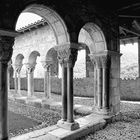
column 17, row 80
column 70, row 91
column 30, row 71
column 68, row 54
column 102, row 64
column 99, row 81
column 96, row 60
column 8, row 75
column 139, row 57
column 47, row 80
column 106, row 62
column 5, row 56
column 64, row 90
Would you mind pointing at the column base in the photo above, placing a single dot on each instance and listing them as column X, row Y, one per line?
column 30, row 98
column 47, row 100
column 16, row 95
column 66, row 125
column 102, row 111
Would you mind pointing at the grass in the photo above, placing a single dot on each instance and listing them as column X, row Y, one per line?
column 18, row 122
column 23, row 118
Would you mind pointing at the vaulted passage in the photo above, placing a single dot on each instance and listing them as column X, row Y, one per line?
column 43, row 48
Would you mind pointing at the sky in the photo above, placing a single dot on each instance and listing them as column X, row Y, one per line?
column 129, row 48
column 26, row 18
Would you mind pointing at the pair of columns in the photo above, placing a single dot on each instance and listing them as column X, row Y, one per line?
column 17, row 80
column 47, row 80
column 67, row 55
column 102, row 64
column 30, row 71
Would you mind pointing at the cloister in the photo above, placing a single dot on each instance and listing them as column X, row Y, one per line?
column 73, row 25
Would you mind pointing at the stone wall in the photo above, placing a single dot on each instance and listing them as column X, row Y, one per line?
column 82, row 86
column 41, row 40
column 114, row 99
column 130, row 89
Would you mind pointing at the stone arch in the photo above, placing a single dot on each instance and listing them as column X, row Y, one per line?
column 92, row 35
column 51, row 57
column 53, row 19
column 19, row 59
column 33, row 56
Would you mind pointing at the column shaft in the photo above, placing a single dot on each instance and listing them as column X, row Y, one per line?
column 105, row 88
column 95, row 87
column 19, row 92
column 48, row 83
column 3, row 102
column 99, row 87
column 139, row 58
column 8, row 79
column 45, row 83
column 16, row 82
column 30, row 84
column 64, row 93
column 70, row 93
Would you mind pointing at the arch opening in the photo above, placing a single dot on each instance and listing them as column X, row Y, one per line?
column 33, row 56
column 19, row 59
column 53, row 19
column 93, row 37
column 51, row 57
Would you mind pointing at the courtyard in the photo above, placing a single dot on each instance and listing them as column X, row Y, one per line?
column 25, row 118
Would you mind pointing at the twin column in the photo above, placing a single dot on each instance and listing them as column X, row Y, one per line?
column 30, row 70
column 101, row 81
column 67, row 57
column 47, row 79
column 17, row 80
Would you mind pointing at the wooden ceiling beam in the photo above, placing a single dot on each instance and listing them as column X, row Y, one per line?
column 130, row 31
column 128, row 16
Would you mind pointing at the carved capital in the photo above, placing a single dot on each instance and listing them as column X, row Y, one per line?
column 6, row 50
column 9, row 64
column 62, row 62
column 30, row 67
column 46, row 65
column 18, row 68
column 72, row 57
column 67, row 53
column 96, row 60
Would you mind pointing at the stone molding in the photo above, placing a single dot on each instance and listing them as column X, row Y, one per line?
column 6, row 50
column 103, row 59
